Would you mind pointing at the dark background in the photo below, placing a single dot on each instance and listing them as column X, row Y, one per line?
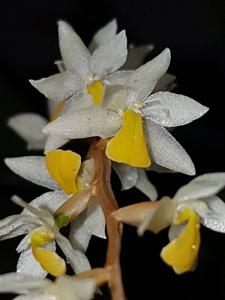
column 195, row 33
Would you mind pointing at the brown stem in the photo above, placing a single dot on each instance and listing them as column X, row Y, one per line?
column 105, row 196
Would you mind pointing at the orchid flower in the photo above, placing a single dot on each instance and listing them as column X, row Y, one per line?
column 135, row 121
column 32, row 288
column 66, row 171
column 86, row 74
column 37, row 248
column 194, row 203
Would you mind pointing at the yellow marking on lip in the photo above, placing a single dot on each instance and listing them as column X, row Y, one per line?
column 129, row 145
column 182, row 252
column 63, row 166
column 97, row 91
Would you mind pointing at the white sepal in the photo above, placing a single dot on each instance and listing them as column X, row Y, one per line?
column 166, row 151
column 202, row 186
column 76, row 56
column 86, row 123
column 109, row 57
column 33, row 169
column 76, row 258
column 145, row 186
column 142, row 82
column 29, row 127
column 103, row 35
column 170, row 109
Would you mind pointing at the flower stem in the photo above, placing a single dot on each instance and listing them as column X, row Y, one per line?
column 106, row 198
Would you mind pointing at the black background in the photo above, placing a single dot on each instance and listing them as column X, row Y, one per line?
column 195, row 33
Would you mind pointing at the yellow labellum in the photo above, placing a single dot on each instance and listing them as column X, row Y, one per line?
column 129, row 144
column 97, row 91
column 40, row 238
column 57, row 110
column 50, row 261
column 63, row 166
column 182, row 252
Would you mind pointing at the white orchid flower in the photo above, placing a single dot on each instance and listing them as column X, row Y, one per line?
column 32, row 288
column 194, row 203
column 56, row 171
column 135, row 121
column 37, row 248
column 86, row 74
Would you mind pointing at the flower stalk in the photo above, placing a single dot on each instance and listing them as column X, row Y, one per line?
column 106, row 198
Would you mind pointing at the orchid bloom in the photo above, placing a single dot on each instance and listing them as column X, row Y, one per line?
column 32, row 288
column 41, row 229
column 65, row 169
column 86, row 74
column 135, row 121
column 29, row 125
column 194, row 203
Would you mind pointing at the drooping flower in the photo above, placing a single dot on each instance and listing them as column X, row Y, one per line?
column 63, row 166
column 135, row 121
column 37, row 248
column 32, row 288
column 194, row 203
column 86, row 74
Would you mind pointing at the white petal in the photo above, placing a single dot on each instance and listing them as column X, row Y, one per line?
column 166, row 151
column 50, row 201
column 77, row 103
column 145, row 186
column 23, row 245
column 214, row 217
column 16, row 225
column 54, row 142
column 33, row 169
column 118, row 78
column 78, row 289
column 142, row 82
column 28, row 265
column 156, row 168
column 95, row 220
column 115, row 98
column 21, row 284
column 8, row 220
column 103, row 35
column 110, row 56
column 170, row 110
column 29, row 127
column 79, row 236
column 202, row 186
column 76, row 56
column 76, row 258
column 59, row 86
column 165, row 83
column 136, row 56
column 20, row 230
column 128, row 175
column 86, row 123
column 90, row 222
